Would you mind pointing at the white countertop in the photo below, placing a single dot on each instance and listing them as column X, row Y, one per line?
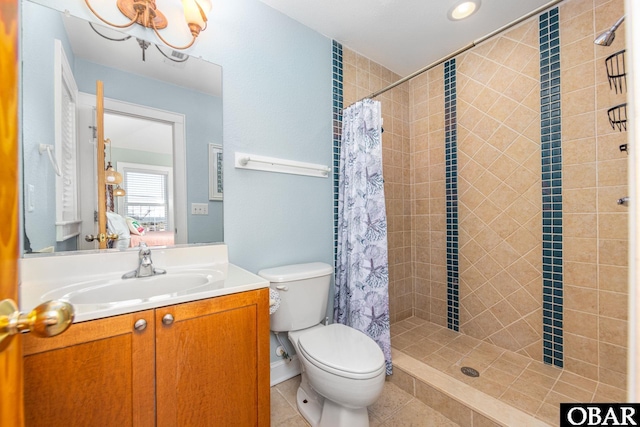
column 44, row 276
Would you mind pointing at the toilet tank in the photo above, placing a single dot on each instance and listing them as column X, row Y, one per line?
column 303, row 290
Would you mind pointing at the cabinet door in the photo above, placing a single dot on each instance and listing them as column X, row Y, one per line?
column 212, row 362
column 98, row 373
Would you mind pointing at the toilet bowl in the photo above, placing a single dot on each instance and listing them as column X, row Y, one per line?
column 343, row 370
column 345, row 367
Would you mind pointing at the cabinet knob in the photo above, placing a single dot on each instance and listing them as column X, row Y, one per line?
column 140, row 325
column 167, row 319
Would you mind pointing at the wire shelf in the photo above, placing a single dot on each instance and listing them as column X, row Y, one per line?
column 616, row 71
column 618, row 117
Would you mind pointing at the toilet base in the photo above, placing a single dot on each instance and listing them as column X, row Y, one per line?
column 321, row 412
column 334, row 415
column 309, row 406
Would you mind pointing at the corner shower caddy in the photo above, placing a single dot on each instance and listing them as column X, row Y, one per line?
column 617, row 76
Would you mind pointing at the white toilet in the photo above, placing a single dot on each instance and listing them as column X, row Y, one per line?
column 343, row 370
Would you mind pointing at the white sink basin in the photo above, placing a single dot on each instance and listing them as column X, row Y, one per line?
column 123, row 292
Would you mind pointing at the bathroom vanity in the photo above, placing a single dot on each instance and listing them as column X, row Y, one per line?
column 199, row 359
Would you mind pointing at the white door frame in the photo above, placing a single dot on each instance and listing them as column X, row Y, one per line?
column 87, row 160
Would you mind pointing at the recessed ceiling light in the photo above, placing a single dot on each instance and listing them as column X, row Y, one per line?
column 463, row 9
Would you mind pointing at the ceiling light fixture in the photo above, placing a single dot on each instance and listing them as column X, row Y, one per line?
column 463, row 9
column 145, row 13
column 143, row 45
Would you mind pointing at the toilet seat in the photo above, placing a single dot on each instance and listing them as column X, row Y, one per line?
column 343, row 351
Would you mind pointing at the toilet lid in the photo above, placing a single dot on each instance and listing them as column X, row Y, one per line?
column 343, row 349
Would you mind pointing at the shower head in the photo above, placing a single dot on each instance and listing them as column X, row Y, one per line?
column 606, row 38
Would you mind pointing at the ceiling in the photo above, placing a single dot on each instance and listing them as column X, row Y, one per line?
column 403, row 36
column 126, row 55
column 139, row 134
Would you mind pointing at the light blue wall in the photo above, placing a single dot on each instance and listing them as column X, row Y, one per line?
column 277, row 103
column 203, row 125
column 139, row 156
column 277, row 95
column 37, row 101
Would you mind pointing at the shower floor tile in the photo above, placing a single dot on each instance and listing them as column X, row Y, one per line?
column 530, row 386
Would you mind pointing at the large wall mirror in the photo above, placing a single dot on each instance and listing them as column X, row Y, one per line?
column 163, row 115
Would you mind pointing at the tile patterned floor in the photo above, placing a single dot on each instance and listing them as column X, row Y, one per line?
column 394, row 408
column 528, row 385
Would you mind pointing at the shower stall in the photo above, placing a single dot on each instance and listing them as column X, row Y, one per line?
column 508, row 251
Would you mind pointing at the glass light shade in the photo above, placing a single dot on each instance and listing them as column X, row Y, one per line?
column 111, row 176
column 119, row 192
column 192, row 13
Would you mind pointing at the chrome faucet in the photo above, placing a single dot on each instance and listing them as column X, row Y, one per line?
column 145, row 265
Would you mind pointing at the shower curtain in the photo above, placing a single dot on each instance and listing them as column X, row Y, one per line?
column 362, row 269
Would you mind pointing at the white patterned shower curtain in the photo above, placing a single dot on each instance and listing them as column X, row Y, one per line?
column 362, row 269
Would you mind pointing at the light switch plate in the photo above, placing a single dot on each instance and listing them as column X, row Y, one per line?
column 199, row 209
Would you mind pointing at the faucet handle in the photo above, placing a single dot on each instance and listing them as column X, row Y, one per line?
column 144, row 250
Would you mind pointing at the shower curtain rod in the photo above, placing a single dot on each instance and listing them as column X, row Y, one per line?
column 462, row 49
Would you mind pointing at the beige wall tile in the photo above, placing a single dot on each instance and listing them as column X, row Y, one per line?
column 498, row 137
column 613, row 304
column 576, row 53
column 579, row 151
column 606, row 96
column 612, row 172
column 579, row 77
column 613, row 226
column 613, row 252
column 613, row 278
column 581, row 274
column 580, row 323
column 580, row 126
column 581, row 348
column 579, row 101
column 580, row 225
column 612, row 331
column 580, row 249
column 581, row 299
column 616, row 357
column 608, row 196
column 607, row 12
column 608, row 146
column 577, row 27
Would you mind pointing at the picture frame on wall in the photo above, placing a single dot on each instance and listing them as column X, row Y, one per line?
column 215, row 172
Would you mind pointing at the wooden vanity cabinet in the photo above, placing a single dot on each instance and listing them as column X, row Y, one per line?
column 97, row 373
column 212, row 362
column 202, row 363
